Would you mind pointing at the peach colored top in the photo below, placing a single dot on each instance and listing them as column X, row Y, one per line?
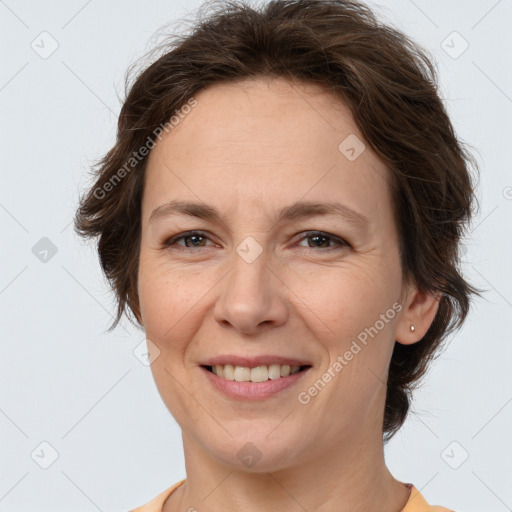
column 416, row 502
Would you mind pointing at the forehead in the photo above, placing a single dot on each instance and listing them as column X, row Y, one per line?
column 258, row 144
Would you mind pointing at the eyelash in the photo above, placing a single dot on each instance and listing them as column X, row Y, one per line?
column 171, row 242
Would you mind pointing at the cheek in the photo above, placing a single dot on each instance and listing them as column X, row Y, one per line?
column 172, row 304
column 164, row 296
column 346, row 298
column 350, row 312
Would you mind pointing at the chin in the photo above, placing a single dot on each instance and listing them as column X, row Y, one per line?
column 256, row 452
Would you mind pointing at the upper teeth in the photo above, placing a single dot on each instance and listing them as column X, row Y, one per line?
column 257, row 374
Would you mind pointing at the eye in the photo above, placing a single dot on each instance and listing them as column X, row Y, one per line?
column 319, row 238
column 198, row 239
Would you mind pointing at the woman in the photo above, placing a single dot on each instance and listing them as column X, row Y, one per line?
column 281, row 213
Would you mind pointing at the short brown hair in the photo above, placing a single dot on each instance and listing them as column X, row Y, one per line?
column 390, row 86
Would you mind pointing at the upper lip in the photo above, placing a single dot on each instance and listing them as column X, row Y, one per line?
column 252, row 362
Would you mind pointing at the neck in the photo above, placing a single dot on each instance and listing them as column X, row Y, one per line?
column 349, row 477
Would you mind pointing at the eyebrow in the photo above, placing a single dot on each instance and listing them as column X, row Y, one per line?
column 295, row 211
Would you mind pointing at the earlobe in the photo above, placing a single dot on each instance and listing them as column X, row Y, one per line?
column 419, row 311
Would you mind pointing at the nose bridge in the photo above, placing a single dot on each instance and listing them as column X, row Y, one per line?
column 250, row 295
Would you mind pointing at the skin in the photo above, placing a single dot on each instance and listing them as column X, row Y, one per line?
column 248, row 149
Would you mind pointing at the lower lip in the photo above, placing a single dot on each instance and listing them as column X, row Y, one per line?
column 252, row 390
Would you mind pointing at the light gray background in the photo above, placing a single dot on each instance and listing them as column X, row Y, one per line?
column 64, row 380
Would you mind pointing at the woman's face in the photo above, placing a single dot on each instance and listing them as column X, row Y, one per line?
column 256, row 283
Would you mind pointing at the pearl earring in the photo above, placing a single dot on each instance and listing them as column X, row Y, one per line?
column 412, row 328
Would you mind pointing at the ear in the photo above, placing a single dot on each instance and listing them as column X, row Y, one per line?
column 419, row 310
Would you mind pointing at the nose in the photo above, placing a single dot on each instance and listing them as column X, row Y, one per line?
column 252, row 297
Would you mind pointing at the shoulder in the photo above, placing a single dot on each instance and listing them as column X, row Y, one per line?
column 156, row 504
column 418, row 503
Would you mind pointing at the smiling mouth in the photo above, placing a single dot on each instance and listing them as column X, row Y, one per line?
column 257, row 374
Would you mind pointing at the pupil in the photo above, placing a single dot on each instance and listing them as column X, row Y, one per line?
column 193, row 237
column 317, row 237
